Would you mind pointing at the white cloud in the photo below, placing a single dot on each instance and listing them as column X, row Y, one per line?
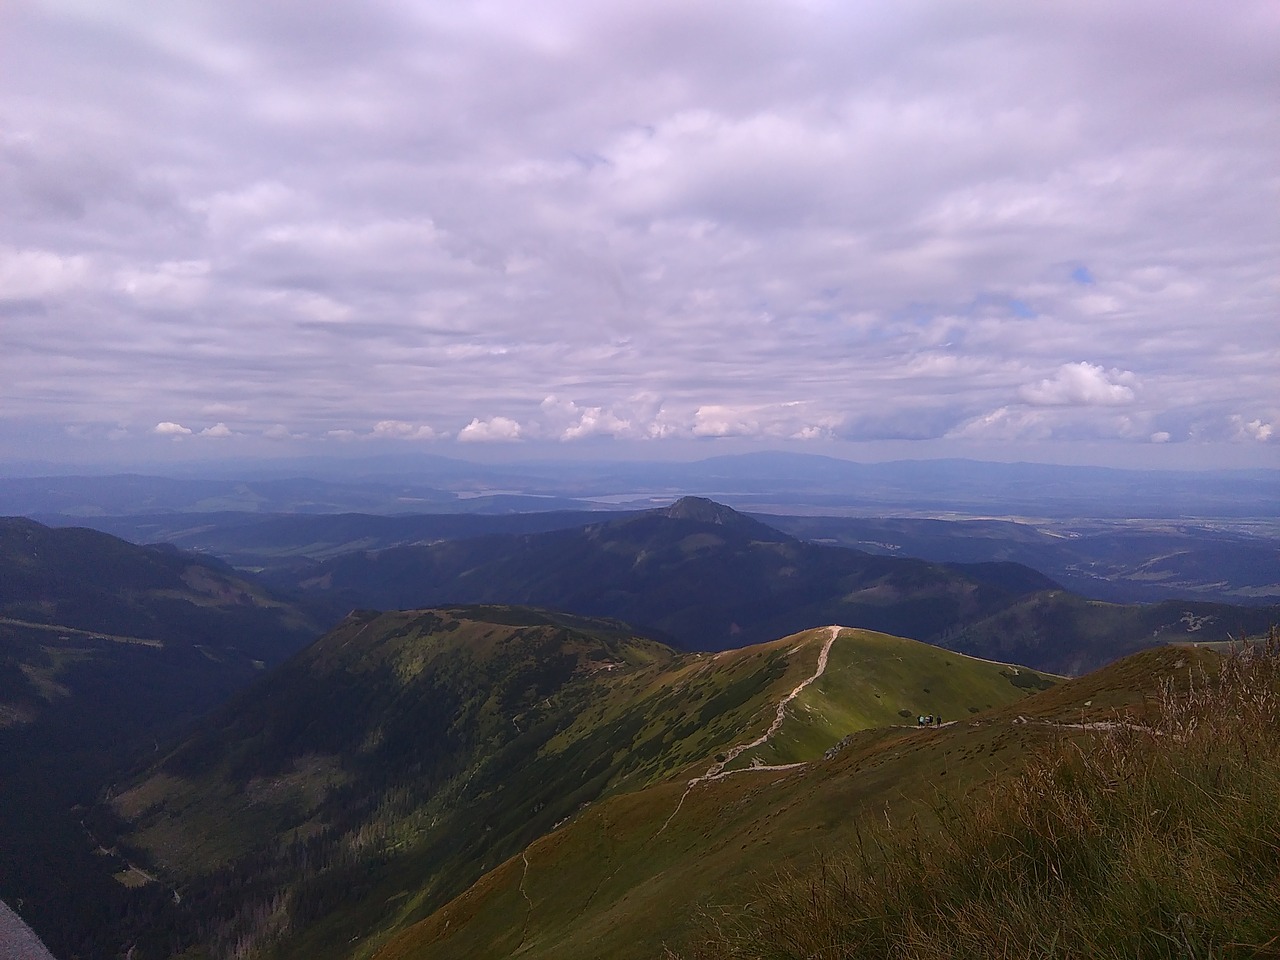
column 1252, row 430
column 40, row 273
column 794, row 420
column 718, row 420
column 167, row 428
column 1082, row 384
column 173, row 283
column 219, row 431
column 1005, row 424
column 1161, row 436
column 402, row 430
column 566, row 420
column 280, row 432
column 496, row 429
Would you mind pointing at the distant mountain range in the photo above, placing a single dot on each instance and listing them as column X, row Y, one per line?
column 1121, row 561
column 764, row 482
column 704, row 577
column 696, row 573
column 1130, row 561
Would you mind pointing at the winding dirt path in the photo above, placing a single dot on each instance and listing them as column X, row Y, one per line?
column 717, row 770
column 528, row 913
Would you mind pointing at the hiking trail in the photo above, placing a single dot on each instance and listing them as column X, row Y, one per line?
column 717, row 770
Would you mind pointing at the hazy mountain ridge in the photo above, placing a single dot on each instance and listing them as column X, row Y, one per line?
column 704, row 585
column 1126, row 562
column 747, row 482
column 730, row 579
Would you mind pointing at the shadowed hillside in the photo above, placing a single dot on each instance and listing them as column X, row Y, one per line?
column 106, row 650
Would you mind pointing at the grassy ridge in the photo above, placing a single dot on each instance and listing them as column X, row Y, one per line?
column 405, row 755
column 1152, row 839
column 875, row 680
column 628, row 876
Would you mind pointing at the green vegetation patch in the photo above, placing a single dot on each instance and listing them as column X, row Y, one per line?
column 1147, row 840
column 875, row 680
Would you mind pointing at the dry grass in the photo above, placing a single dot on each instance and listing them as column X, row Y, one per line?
column 1154, row 841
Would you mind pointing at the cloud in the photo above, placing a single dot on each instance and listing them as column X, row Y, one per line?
column 1161, row 436
column 1082, row 384
column 219, row 431
column 401, row 430
column 1005, row 424
column 280, row 432
column 904, row 218
column 32, row 274
column 640, row 416
column 496, row 429
column 167, row 428
column 1252, row 430
column 792, row 421
column 568, row 421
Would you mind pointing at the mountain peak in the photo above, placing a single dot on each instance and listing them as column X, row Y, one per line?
column 702, row 510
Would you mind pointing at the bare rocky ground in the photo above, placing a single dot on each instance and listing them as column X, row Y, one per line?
column 17, row 941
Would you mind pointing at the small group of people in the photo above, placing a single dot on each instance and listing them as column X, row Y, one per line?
column 929, row 721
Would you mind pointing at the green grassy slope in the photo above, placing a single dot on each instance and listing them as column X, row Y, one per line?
column 400, row 758
column 1155, row 837
column 627, row 879
column 628, row 875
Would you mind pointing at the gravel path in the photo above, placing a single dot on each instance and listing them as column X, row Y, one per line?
column 17, row 941
column 717, row 770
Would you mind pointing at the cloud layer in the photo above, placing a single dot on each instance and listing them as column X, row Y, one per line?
column 570, row 222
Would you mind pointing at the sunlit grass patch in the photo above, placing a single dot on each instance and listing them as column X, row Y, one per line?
column 1157, row 839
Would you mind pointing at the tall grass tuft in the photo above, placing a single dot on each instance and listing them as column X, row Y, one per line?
column 1152, row 840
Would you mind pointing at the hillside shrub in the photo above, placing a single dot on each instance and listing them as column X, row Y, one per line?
column 1153, row 840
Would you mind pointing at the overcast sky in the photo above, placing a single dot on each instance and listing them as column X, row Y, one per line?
column 1047, row 230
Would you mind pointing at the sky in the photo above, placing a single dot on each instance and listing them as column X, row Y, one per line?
column 663, row 228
